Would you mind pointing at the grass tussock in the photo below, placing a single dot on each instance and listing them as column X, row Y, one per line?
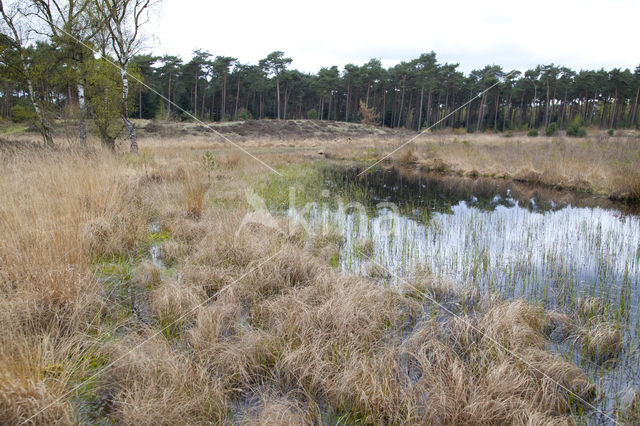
column 157, row 385
column 195, row 191
column 601, row 341
column 33, row 375
column 407, row 157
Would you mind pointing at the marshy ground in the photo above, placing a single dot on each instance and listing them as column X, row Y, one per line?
column 132, row 294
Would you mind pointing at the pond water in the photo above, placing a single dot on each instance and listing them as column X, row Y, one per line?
column 549, row 247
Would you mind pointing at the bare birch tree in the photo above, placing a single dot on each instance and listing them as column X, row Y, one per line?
column 123, row 19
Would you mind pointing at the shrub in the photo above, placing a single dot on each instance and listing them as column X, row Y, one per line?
column 459, row 131
column 312, row 114
column 407, row 158
column 575, row 128
column 21, row 113
column 368, row 115
column 551, row 129
column 508, row 134
column 533, row 133
column 243, row 114
column 186, row 117
column 610, row 132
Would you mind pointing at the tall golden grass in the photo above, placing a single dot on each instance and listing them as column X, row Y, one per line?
column 59, row 210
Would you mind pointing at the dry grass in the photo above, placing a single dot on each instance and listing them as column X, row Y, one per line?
column 603, row 165
column 601, row 341
column 158, row 385
column 407, row 157
column 59, row 211
column 288, row 341
column 195, row 191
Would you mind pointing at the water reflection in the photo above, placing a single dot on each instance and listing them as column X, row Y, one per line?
column 549, row 247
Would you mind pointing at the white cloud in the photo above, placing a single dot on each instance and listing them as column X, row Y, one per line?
column 515, row 34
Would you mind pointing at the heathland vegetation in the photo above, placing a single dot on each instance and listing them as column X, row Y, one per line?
column 133, row 289
column 250, row 327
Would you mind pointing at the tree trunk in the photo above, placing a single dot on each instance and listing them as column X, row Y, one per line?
column 212, row 104
column 429, row 108
column 335, row 106
column 83, row 111
column 450, row 121
column 593, row 106
column 634, row 110
column 195, row 96
column 546, row 109
column 446, row 109
column 481, row 112
column 235, row 112
column 507, row 113
column 278, row 95
column 564, row 108
column 346, row 109
column 553, row 103
column 467, row 113
column 532, row 122
column 169, row 99
column 384, row 106
column 133, row 143
column 286, row 101
column 223, row 111
column 401, row 102
column 613, row 110
column 204, row 96
column 420, row 112
column 45, row 127
column 495, row 116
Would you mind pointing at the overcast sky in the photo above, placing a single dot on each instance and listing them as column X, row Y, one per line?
column 586, row 34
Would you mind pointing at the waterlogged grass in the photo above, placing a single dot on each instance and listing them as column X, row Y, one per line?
column 13, row 129
column 563, row 258
column 163, row 313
